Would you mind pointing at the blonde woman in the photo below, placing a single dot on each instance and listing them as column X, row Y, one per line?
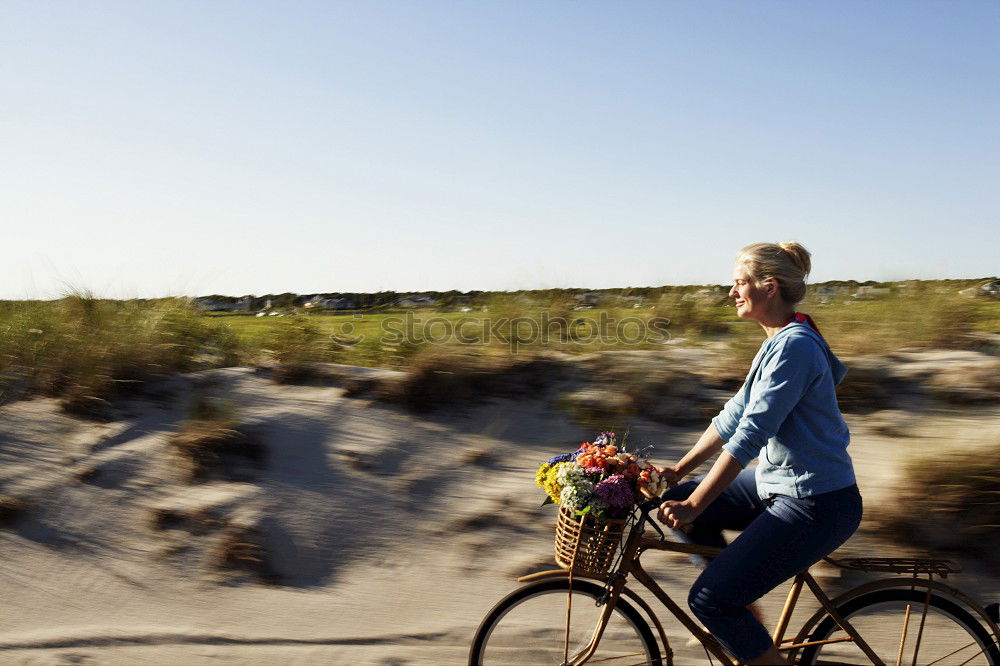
column 801, row 501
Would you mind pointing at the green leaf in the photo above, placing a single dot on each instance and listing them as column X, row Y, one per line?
column 584, row 512
column 548, row 500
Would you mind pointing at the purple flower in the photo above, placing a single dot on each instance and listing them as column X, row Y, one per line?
column 565, row 457
column 615, row 490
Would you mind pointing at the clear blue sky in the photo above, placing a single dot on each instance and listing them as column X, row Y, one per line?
column 153, row 148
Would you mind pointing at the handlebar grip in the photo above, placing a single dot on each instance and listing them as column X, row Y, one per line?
column 654, row 503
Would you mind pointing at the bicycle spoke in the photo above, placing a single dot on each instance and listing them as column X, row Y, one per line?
column 624, row 656
column 530, row 628
column 884, row 618
column 902, row 639
column 950, row 654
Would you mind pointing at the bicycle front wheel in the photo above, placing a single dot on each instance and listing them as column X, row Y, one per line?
column 890, row 622
column 528, row 627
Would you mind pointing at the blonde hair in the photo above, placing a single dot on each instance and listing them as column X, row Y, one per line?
column 787, row 263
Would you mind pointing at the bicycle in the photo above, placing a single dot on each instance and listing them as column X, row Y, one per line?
column 907, row 618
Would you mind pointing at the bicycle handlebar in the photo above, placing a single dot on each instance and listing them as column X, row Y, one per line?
column 650, row 504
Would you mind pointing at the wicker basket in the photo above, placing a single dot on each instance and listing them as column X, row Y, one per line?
column 587, row 544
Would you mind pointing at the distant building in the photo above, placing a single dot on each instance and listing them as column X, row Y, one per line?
column 989, row 289
column 320, row 302
column 866, row 292
column 633, row 301
column 213, row 305
column 416, row 301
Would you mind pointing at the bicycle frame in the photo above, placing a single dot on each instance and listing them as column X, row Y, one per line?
column 636, row 544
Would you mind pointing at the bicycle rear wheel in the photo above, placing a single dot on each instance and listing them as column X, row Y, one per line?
column 951, row 636
column 528, row 627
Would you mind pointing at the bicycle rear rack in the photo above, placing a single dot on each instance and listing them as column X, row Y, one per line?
column 899, row 565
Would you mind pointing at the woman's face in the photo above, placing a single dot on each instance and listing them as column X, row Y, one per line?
column 752, row 301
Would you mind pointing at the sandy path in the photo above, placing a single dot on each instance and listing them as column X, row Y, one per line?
column 392, row 562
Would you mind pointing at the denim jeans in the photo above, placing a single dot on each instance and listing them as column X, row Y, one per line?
column 781, row 536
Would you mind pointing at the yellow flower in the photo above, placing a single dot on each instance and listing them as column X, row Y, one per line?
column 551, row 483
column 541, row 474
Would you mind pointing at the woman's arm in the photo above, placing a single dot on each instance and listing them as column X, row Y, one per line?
column 707, row 446
column 676, row 514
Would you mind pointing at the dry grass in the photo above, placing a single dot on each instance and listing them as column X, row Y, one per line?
column 86, row 349
column 217, row 450
column 12, row 509
column 694, row 318
column 952, row 500
column 919, row 320
column 212, row 444
column 299, row 346
column 444, row 376
column 197, row 521
column 239, row 548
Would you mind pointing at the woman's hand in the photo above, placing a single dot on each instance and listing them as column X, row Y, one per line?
column 677, row 514
column 670, row 475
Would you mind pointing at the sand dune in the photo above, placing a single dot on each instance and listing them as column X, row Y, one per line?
column 368, row 535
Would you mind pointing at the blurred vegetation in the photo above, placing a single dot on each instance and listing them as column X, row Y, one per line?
column 442, row 376
column 920, row 319
column 211, row 442
column 11, row 509
column 85, row 349
column 963, row 510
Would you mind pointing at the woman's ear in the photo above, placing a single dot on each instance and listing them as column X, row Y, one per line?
column 771, row 286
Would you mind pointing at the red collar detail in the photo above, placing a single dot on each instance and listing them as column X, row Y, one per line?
column 803, row 318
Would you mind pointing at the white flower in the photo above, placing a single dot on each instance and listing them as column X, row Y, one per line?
column 569, row 474
column 577, row 496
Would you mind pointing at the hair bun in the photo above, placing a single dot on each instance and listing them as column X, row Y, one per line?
column 799, row 255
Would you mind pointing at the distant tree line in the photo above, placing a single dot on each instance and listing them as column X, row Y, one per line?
column 478, row 298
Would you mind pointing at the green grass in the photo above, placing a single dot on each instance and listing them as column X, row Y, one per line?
column 81, row 347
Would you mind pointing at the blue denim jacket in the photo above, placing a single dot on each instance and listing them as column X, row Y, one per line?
column 786, row 414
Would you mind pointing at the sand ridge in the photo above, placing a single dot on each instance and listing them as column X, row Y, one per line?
column 388, row 535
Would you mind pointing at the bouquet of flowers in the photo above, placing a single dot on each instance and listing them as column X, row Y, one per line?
column 601, row 478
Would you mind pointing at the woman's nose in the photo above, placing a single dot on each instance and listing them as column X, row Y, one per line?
column 732, row 292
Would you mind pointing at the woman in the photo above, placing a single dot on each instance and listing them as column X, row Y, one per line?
column 801, row 501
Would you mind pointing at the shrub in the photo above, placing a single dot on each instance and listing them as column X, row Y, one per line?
column 928, row 320
column 694, row 316
column 240, row 548
column 212, row 443
column 441, row 376
column 216, row 450
column 950, row 499
column 88, row 349
column 11, row 509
